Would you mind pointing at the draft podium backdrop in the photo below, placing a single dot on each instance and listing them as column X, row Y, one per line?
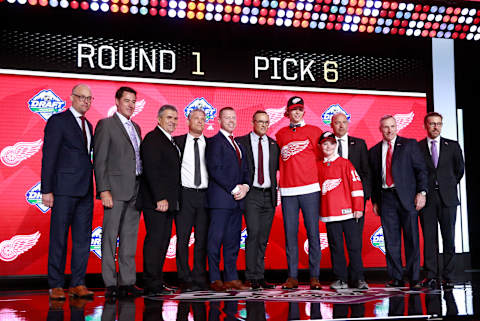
column 28, row 101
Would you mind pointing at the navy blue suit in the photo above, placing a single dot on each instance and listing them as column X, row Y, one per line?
column 224, row 173
column 397, row 205
column 67, row 172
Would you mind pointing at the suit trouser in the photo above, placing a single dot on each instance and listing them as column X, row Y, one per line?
column 259, row 214
column 75, row 213
column 198, row 308
column 310, row 206
column 158, row 226
column 431, row 215
column 351, row 230
column 394, row 219
column 120, row 221
column 192, row 214
column 225, row 229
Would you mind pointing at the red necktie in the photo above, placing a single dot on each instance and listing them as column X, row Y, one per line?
column 388, row 169
column 237, row 150
column 84, row 131
column 261, row 179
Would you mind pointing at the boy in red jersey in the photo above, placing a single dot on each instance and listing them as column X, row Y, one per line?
column 300, row 189
column 342, row 206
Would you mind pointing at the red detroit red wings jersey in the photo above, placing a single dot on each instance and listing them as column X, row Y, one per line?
column 298, row 156
column 342, row 191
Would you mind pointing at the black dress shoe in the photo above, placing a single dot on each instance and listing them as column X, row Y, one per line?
column 395, row 284
column 265, row 285
column 111, row 292
column 186, row 287
column 160, row 291
column 253, row 284
column 130, row 290
column 432, row 284
column 415, row 285
column 448, row 284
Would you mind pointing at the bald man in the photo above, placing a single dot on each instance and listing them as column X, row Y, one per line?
column 67, row 187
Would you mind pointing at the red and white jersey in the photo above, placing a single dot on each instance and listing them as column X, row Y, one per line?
column 298, row 157
column 342, row 191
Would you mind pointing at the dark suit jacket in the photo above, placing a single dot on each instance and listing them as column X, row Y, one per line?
column 114, row 158
column 161, row 172
column 224, row 172
column 358, row 156
column 408, row 170
column 449, row 171
column 66, row 164
column 274, row 153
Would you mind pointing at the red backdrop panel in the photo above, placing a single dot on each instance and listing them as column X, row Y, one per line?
column 27, row 101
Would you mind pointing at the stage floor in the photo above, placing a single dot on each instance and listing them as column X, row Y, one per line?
column 302, row 304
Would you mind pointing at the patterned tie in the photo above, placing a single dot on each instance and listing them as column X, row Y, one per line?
column 133, row 139
column 434, row 153
column 197, row 178
column 340, row 150
column 388, row 174
column 84, row 131
column 236, row 150
column 261, row 178
column 176, row 146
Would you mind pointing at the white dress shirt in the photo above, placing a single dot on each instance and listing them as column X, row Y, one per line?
column 188, row 163
column 266, row 160
column 344, row 142
column 384, row 161
column 77, row 116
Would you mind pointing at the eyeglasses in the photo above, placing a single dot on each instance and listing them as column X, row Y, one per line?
column 87, row 99
column 262, row 122
column 433, row 124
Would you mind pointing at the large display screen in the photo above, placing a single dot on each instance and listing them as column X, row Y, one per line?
column 28, row 101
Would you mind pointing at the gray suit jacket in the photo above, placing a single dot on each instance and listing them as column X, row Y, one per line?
column 114, row 159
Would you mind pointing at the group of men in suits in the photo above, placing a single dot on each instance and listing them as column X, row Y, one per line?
column 207, row 184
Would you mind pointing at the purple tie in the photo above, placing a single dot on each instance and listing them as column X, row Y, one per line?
column 133, row 139
column 434, row 153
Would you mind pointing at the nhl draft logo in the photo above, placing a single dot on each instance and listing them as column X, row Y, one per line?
column 243, row 239
column 96, row 242
column 34, row 197
column 201, row 103
column 323, row 242
column 377, row 240
column 332, row 110
column 293, row 148
column 13, row 155
column 46, row 103
column 19, row 244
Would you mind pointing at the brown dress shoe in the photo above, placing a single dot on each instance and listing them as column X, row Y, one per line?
column 217, row 286
column 315, row 284
column 291, row 283
column 236, row 285
column 80, row 291
column 56, row 294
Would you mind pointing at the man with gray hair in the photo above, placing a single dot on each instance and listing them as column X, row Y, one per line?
column 399, row 189
column 194, row 177
column 159, row 196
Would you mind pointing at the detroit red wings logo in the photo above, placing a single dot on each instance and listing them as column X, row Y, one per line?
column 323, row 242
column 403, row 120
column 172, row 246
column 19, row 244
column 293, row 148
column 275, row 114
column 139, row 105
column 330, row 184
column 13, row 155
